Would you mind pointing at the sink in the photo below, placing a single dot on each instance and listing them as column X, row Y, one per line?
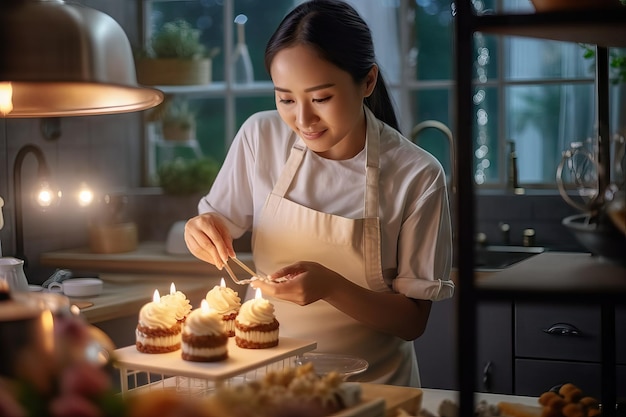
column 501, row 257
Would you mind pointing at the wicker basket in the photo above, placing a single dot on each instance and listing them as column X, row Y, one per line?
column 173, row 71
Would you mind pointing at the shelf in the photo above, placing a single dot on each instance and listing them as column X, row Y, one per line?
column 600, row 27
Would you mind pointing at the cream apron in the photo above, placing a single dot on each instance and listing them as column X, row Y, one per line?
column 288, row 232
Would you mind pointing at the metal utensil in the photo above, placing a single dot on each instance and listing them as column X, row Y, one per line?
column 255, row 276
column 234, row 277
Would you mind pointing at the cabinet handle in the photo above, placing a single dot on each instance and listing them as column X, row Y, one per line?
column 563, row 329
column 487, row 377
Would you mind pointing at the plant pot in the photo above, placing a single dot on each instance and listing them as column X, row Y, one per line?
column 113, row 238
column 173, row 71
column 178, row 132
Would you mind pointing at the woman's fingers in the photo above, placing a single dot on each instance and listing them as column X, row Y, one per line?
column 208, row 239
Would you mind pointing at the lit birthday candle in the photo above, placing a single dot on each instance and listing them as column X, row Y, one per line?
column 226, row 302
column 157, row 331
column 256, row 326
column 179, row 303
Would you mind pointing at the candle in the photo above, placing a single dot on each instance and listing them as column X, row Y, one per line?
column 156, row 297
column 222, row 282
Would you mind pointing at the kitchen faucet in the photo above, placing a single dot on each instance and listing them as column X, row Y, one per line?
column 434, row 124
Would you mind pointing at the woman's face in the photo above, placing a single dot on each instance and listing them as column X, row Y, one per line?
column 321, row 102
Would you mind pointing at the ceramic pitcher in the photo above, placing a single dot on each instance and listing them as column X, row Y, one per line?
column 12, row 272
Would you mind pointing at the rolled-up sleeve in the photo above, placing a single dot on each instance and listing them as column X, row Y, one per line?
column 425, row 250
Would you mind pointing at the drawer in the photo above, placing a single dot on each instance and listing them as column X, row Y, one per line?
column 562, row 332
column 534, row 377
column 620, row 335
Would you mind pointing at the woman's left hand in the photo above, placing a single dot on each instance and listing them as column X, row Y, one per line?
column 306, row 282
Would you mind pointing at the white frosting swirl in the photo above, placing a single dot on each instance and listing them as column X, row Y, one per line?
column 224, row 300
column 156, row 316
column 204, row 323
column 255, row 311
column 179, row 302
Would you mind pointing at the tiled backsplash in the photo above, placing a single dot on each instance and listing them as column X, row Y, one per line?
column 539, row 210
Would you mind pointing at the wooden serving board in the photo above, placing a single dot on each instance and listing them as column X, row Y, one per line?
column 406, row 398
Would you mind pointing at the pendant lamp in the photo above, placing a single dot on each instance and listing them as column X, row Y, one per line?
column 64, row 59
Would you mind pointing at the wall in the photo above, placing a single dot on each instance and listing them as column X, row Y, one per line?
column 107, row 152
column 104, row 150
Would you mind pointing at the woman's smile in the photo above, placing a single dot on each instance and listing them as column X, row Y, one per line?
column 312, row 135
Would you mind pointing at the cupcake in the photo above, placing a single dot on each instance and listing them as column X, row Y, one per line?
column 179, row 303
column 226, row 302
column 256, row 326
column 204, row 337
column 157, row 331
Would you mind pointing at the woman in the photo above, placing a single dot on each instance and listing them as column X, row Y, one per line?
column 353, row 213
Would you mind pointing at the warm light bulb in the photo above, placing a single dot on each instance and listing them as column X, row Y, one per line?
column 156, row 297
column 172, row 288
column 6, row 98
column 85, row 196
column 46, row 196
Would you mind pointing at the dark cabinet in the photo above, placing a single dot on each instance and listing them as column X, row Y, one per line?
column 557, row 332
column 495, row 348
column 436, row 348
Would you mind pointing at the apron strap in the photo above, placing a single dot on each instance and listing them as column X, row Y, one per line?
column 291, row 166
column 372, row 168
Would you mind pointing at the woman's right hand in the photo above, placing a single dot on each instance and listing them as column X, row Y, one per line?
column 208, row 239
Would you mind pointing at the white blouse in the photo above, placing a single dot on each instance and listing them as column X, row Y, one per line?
column 414, row 212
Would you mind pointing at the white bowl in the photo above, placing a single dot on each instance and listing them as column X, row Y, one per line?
column 78, row 287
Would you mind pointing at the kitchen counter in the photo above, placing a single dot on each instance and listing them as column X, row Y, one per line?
column 149, row 257
column 432, row 398
column 124, row 294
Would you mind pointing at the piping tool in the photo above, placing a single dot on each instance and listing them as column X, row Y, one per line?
column 242, row 64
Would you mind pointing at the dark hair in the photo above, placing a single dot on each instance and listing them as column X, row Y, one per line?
column 340, row 36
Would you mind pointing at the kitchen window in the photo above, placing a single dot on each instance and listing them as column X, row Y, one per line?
column 537, row 94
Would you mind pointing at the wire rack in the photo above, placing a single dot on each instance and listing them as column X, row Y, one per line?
column 140, row 372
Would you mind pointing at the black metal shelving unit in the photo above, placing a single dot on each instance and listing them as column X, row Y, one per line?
column 561, row 280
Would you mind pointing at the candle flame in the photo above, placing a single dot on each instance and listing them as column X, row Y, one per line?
column 47, row 322
column 258, row 295
column 156, row 297
column 204, row 306
column 222, row 282
column 172, row 288
column 6, row 98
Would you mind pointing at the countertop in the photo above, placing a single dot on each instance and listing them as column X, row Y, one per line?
column 432, row 398
column 149, row 257
column 124, row 294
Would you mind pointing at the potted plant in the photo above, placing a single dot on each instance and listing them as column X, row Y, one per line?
column 175, row 56
column 188, row 176
column 178, row 121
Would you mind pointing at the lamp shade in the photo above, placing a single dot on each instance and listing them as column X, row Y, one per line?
column 60, row 59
